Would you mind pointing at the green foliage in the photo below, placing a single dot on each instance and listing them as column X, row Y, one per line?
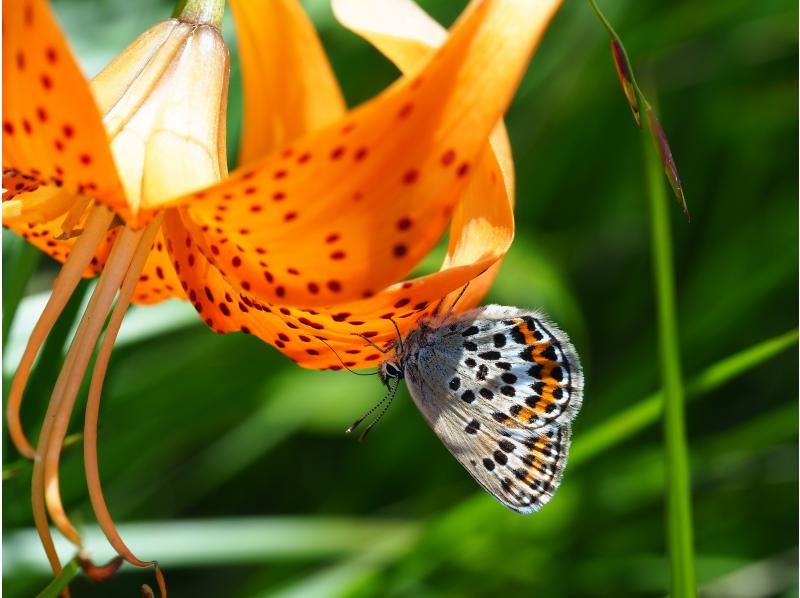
column 229, row 464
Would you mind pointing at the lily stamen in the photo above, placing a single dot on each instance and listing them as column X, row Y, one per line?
column 45, row 485
column 122, row 269
column 69, row 225
column 96, row 495
column 65, row 284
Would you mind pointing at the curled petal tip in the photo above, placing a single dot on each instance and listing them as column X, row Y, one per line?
column 668, row 162
column 625, row 78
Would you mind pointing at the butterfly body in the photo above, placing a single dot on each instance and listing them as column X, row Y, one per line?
column 499, row 386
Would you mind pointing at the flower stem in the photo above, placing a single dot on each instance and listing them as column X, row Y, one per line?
column 679, row 508
column 202, row 12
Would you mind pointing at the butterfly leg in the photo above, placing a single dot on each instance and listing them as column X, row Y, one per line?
column 374, row 346
column 452, row 306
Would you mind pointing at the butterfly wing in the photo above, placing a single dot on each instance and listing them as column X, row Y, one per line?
column 514, row 365
column 499, row 386
column 522, row 470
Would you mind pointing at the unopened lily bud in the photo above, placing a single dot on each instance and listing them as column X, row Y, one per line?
column 164, row 101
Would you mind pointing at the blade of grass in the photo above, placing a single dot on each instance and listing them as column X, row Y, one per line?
column 342, row 578
column 62, row 580
column 17, row 273
column 217, row 542
column 636, row 418
column 679, row 506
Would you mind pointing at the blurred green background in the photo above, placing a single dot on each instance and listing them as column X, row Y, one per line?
column 229, row 464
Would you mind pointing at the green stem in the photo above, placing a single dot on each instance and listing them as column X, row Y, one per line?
column 202, row 12
column 679, row 507
column 62, row 580
column 19, row 271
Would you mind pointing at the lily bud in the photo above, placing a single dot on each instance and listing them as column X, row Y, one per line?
column 164, row 101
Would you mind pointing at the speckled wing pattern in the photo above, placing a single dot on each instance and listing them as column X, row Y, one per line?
column 499, row 386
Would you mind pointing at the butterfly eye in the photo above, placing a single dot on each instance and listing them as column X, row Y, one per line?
column 392, row 371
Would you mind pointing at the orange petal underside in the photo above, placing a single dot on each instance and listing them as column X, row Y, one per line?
column 158, row 280
column 52, row 130
column 351, row 208
column 289, row 86
column 41, row 217
column 299, row 333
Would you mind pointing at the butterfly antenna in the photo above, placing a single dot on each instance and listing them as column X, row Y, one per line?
column 345, row 365
column 357, row 423
column 390, row 396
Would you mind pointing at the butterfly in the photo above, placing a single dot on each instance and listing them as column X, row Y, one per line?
column 500, row 387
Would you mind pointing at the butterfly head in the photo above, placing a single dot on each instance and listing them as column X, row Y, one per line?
column 390, row 370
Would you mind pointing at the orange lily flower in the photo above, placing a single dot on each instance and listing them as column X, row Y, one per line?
column 304, row 243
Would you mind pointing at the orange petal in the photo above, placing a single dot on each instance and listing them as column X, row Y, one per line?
column 403, row 32
column 158, row 280
column 400, row 29
column 297, row 333
column 37, row 217
column 52, row 130
column 355, row 206
column 289, row 86
column 226, row 307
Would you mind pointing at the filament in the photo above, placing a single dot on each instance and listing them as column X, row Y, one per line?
column 94, row 485
column 65, row 283
column 73, row 217
column 44, row 483
column 119, row 278
column 69, row 381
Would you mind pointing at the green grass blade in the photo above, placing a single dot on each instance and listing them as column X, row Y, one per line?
column 17, row 274
column 62, row 580
column 634, row 419
column 679, row 507
column 234, row 541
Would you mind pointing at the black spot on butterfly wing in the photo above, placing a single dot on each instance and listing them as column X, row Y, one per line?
column 550, row 353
